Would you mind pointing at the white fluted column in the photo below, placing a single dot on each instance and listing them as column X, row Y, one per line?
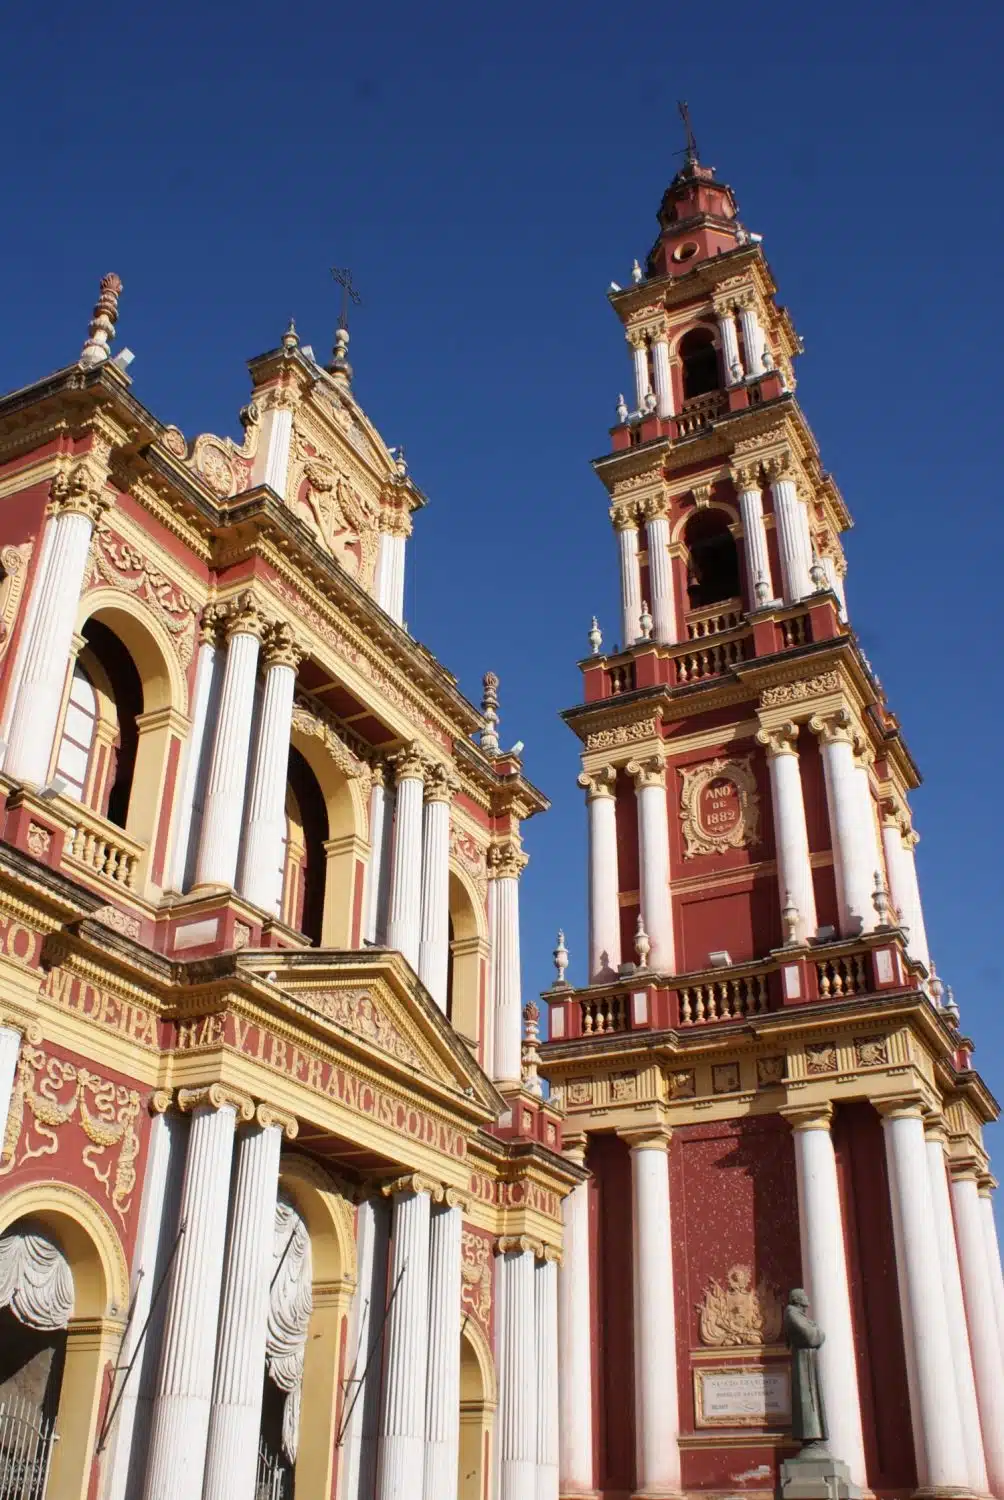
column 981, row 1315
column 993, row 1255
column 388, row 583
column 442, row 1402
column 907, row 888
column 758, row 572
column 197, row 750
column 854, row 879
column 180, row 1425
column 232, row 1449
column 653, row 859
column 77, row 503
column 15, row 672
column 639, row 354
column 934, row 1408
column 378, row 867
column 10, row 1049
column 657, row 1407
column 660, row 574
column 362, row 1422
column 962, row 1365
column 663, row 376
column 627, row 547
column 545, row 1285
column 730, row 346
column 792, row 534
column 872, row 853
column 222, row 817
column 261, row 863
column 752, row 336
column 518, row 1380
column 575, row 1362
column 506, row 864
column 835, row 580
column 271, row 460
column 404, row 915
column 434, row 941
column 791, row 838
column 824, row 1270
column 401, row 1464
column 604, row 908
column 155, row 1235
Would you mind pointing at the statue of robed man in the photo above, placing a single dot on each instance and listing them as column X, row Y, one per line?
column 804, row 1337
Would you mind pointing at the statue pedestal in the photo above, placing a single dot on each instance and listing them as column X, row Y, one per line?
column 816, row 1475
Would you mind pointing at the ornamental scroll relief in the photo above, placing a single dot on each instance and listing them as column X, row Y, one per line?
column 48, row 1094
column 122, row 565
column 739, row 1315
column 719, row 807
column 358, row 1012
column 476, row 1277
column 14, row 562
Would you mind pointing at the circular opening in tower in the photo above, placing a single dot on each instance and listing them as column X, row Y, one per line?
column 686, row 251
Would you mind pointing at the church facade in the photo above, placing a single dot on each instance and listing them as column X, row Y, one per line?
column 285, row 1206
column 763, row 1075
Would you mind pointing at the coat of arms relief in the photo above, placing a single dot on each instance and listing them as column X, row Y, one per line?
column 739, row 1315
column 341, row 513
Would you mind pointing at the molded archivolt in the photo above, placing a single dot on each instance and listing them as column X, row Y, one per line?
column 149, row 643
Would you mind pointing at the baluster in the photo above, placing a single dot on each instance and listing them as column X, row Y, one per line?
column 681, row 669
column 686, row 1010
column 823, row 973
column 699, row 1012
column 587, row 1018
column 725, row 1000
column 761, row 997
column 840, row 978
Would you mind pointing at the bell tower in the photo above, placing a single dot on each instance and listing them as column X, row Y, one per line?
column 758, row 1067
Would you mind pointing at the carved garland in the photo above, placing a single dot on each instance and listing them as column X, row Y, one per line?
column 731, row 818
column 54, row 1092
column 14, row 560
column 122, row 565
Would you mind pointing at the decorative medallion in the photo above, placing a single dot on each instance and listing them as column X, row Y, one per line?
column 683, row 1084
column 580, row 1091
column 871, row 1051
column 769, row 1070
column 719, row 807
column 821, row 1057
column 623, row 1086
column 725, row 1078
column 739, row 1315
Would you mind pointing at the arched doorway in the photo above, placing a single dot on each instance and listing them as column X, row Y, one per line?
column 478, row 1399
column 712, row 560
column 699, row 359
column 36, row 1304
column 305, row 856
column 468, row 957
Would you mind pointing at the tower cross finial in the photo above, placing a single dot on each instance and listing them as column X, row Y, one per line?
column 691, row 147
column 343, row 276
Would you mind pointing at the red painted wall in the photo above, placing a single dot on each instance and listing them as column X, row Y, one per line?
column 609, row 1159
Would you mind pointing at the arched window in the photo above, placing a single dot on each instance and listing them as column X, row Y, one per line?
column 712, row 559
column 699, row 358
column 304, row 857
column 100, row 736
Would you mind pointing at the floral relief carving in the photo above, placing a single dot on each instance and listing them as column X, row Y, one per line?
column 821, row 1057
column 739, row 1315
column 358, row 1012
column 122, row 565
column 468, row 854
column 683, row 1084
column 50, row 1093
column 219, row 462
column 623, row 1086
column 871, row 1052
column 796, row 692
column 39, row 840
column 719, row 807
column 623, row 734
column 476, row 1276
column 725, row 1078
column 118, row 921
column 14, row 561
column 313, row 722
column 769, row 1070
column 342, row 514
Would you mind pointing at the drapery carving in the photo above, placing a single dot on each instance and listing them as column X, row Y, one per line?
column 35, row 1281
column 290, row 1304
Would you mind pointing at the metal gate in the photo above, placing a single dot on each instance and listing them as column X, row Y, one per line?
column 274, row 1480
column 26, row 1440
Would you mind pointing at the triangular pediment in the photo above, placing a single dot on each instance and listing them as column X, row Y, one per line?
column 376, row 1008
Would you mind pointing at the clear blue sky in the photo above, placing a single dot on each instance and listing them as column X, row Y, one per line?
column 486, row 171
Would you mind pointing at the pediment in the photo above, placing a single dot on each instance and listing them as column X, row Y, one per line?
column 374, row 1006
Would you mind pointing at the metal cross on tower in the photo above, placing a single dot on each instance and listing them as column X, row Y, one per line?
column 343, row 276
column 691, row 147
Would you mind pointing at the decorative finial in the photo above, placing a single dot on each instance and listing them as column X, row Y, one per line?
column 645, row 622
column 339, row 366
column 935, row 988
column 531, row 1051
column 102, row 325
column 881, row 902
column 622, row 409
column 561, row 962
column 650, row 402
column 642, row 943
column 290, row 339
column 762, row 589
column 595, row 637
column 736, row 370
column 791, row 918
column 637, row 274
column 817, row 573
column 952, row 1013
column 490, row 707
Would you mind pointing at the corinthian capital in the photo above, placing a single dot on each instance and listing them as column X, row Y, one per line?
column 79, row 492
column 280, row 647
column 655, row 506
column 599, row 783
column 833, row 729
column 746, row 477
column 781, row 740
column 441, row 783
column 636, row 338
column 409, row 763
column 624, row 515
column 506, row 861
column 242, row 616
column 648, row 772
column 779, row 466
